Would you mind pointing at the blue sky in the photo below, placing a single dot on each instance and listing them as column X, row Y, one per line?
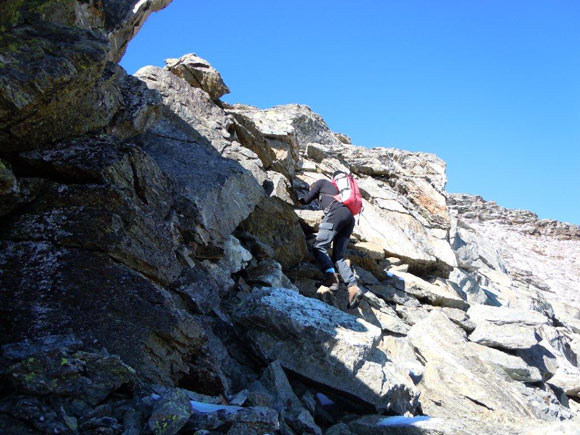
column 492, row 87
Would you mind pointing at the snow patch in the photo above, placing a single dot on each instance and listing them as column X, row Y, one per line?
column 400, row 420
column 207, row 408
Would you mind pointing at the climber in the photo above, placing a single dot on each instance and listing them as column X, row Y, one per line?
column 335, row 228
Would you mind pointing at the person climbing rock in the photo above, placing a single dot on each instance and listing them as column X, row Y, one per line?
column 336, row 229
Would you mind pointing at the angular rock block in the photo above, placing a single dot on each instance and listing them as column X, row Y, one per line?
column 505, row 328
column 323, row 344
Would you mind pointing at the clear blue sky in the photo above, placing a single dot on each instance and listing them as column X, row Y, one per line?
column 490, row 86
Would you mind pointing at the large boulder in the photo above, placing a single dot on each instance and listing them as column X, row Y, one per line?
column 325, row 345
column 198, row 73
column 49, row 289
column 274, row 223
column 212, row 194
column 514, row 366
column 112, row 198
column 472, row 251
column 426, row 291
column 47, row 95
column 139, row 108
column 250, row 137
column 194, row 106
column 295, row 123
column 505, row 328
column 191, row 104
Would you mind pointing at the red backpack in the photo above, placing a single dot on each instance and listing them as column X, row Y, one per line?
column 348, row 192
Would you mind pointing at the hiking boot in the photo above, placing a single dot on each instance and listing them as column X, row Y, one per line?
column 331, row 281
column 354, row 296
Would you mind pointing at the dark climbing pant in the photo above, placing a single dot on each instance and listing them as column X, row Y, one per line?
column 335, row 229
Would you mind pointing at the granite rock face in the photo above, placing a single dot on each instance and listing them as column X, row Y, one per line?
column 156, row 273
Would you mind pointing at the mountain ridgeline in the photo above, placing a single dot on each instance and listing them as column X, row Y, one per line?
column 156, row 274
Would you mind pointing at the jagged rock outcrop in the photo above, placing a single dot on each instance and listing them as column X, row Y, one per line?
column 47, row 95
column 155, row 270
column 198, row 73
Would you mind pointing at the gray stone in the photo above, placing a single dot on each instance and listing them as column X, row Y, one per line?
column 433, row 294
column 88, row 294
column 192, row 105
column 412, row 314
column 81, row 375
column 281, row 187
column 505, row 328
column 268, row 273
column 116, row 203
column 212, row 194
column 393, row 295
column 250, row 137
column 459, row 317
column 514, row 366
column 198, row 73
column 457, row 382
column 374, row 310
column 287, row 403
column 473, row 252
column 223, row 418
column 170, row 413
column 365, row 277
column 470, row 287
column 72, row 91
column 295, row 122
column 140, row 107
column 321, row 343
column 236, row 257
column 566, row 374
column 200, row 289
column 401, row 353
column 274, row 223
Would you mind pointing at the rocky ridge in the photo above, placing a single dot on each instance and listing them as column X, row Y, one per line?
column 156, row 274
